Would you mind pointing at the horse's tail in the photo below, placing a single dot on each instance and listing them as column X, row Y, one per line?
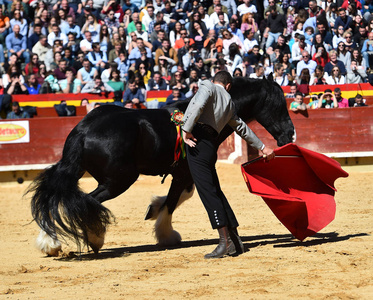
column 58, row 205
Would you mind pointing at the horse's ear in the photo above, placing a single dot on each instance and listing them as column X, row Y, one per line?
column 270, row 77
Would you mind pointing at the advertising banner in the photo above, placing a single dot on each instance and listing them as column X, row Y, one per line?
column 12, row 132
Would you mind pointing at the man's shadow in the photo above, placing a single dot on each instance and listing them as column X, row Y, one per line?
column 277, row 240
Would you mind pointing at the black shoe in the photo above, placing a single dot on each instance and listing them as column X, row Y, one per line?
column 225, row 247
column 236, row 240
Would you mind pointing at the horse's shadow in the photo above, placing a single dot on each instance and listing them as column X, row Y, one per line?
column 277, row 240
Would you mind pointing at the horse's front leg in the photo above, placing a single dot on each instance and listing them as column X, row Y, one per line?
column 161, row 208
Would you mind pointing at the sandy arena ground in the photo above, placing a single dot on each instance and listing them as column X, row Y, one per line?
column 335, row 264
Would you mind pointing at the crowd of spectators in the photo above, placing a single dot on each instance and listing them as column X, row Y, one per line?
column 129, row 47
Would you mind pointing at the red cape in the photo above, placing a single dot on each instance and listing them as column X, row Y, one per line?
column 298, row 186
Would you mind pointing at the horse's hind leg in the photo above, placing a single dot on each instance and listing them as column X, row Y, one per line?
column 107, row 190
column 48, row 244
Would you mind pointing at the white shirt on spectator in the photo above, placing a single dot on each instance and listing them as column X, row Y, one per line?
column 85, row 43
column 249, row 44
column 244, row 9
column 61, row 36
column 214, row 19
column 296, row 52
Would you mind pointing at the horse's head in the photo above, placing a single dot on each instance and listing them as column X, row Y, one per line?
column 264, row 101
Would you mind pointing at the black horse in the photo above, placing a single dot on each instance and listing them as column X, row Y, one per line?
column 115, row 145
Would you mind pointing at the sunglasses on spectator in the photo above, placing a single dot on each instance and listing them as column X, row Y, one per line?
column 306, row 56
column 335, row 70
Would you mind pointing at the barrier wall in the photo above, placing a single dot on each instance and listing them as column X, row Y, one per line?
column 326, row 131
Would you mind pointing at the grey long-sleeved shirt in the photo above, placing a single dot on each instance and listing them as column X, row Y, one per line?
column 212, row 105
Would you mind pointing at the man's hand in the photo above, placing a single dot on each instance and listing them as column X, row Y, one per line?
column 268, row 153
column 189, row 139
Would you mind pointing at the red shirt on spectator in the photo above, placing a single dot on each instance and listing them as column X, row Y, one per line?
column 180, row 43
column 321, row 60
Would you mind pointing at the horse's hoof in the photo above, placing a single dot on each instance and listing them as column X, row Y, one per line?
column 149, row 212
column 172, row 239
column 48, row 245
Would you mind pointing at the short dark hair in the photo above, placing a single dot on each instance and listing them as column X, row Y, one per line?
column 337, row 90
column 298, row 94
column 223, row 77
column 359, row 96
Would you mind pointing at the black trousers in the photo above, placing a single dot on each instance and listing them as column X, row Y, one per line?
column 202, row 160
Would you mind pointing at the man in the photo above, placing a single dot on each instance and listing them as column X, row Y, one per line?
column 313, row 9
column 86, row 43
column 293, row 90
column 97, row 87
column 232, row 8
column 272, row 4
column 70, row 84
column 367, row 50
column 246, row 7
column 326, row 35
column 298, row 104
column 176, row 95
column 87, row 72
column 207, row 114
column 281, row 44
column 133, row 94
column 343, row 20
column 34, row 38
column 298, row 48
column 255, row 56
column 168, row 51
column 211, row 9
column 180, row 43
column 342, row 102
column 60, row 72
column 214, row 17
column 17, row 43
column 357, row 101
column 233, row 28
column 249, row 42
column 32, row 85
column 157, row 83
column 148, row 17
column 17, row 113
column 306, row 63
column 158, row 19
column 132, row 25
column 41, row 48
column 136, row 53
column 97, row 57
column 70, row 26
column 56, row 34
column 275, row 27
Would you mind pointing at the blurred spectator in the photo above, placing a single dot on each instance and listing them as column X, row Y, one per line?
column 32, row 85
column 246, row 7
column 56, row 34
column 97, row 58
column 86, row 43
column 123, row 65
column 144, row 72
column 357, row 101
column 168, row 53
column 306, row 63
column 133, row 94
column 318, row 77
column 179, row 82
column 336, row 77
column 91, row 25
column 4, row 26
column 198, row 34
column 40, row 76
column 97, row 87
column 34, row 37
column 355, row 74
column 19, row 20
column 157, row 83
column 343, row 20
column 17, row 112
column 33, row 66
column 212, row 35
column 86, row 73
column 321, row 56
column 71, row 84
column 15, row 86
column 360, row 60
column 293, row 90
column 70, row 26
column 303, row 82
column 136, row 53
column 234, row 58
column 176, row 95
column 255, row 56
column 275, row 27
column 279, row 76
column 16, row 43
column 327, row 100
column 367, row 49
column 220, row 24
column 259, row 72
column 334, row 62
column 116, row 83
column 249, row 41
column 297, row 50
column 193, row 89
column 342, row 102
column 298, row 104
